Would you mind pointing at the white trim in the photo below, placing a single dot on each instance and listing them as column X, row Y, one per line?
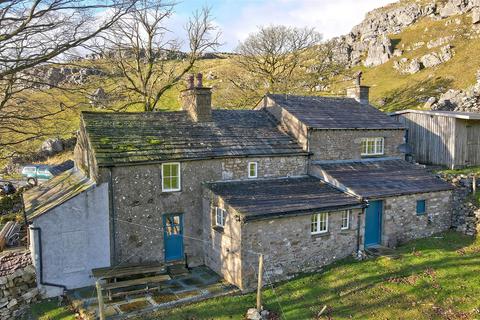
column 317, row 223
column 349, row 213
column 256, row 169
column 179, row 175
column 376, row 152
column 223, row 214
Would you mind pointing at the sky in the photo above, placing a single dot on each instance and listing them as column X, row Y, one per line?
column 238, row 18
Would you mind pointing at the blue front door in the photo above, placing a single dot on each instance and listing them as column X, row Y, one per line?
column 373, row 223
column 173, row 236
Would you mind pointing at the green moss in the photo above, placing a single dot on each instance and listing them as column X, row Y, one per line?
column 154, row 141
column 465, row 171
column 105, row 140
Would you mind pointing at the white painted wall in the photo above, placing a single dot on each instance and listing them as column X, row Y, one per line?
column 75, row 240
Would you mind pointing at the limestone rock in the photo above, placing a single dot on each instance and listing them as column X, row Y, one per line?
column 452, row 7
column 98, row 98
column 476, row 16
column 430, row 102
column 52, row 146
column 253, row 314
column 379, row 52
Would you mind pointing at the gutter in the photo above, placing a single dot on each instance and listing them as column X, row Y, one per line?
column 150, row 162
column 40, row 262
column 249, row 218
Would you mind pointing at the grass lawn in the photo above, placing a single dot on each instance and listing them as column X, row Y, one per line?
column 49, row 310
column 436, row 278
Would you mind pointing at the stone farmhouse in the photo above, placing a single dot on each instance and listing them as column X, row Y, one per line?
column 302, row 180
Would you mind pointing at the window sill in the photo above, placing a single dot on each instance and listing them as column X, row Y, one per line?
column 364, row 156
column 171, row 191
column 320, row 235
column 219, row 229
column 345, row 230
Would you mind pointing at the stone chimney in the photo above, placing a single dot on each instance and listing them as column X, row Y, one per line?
column 359, row 92
column 197, row 100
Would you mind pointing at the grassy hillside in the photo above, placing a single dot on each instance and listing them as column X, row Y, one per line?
column 436, row 278
column 411, row 91
column 390, row 90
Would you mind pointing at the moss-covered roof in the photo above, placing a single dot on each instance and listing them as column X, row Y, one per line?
column 54, row 192
column 128, row 138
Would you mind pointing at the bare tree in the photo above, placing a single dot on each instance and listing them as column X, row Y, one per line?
column 147, row 54
column 320, row 67
column 34, row 33
column 274, row 53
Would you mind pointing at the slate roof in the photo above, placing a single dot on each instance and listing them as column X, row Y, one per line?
column 335, row 113
column 262, row 199
column 382, row 178
column 452, row 114
column 54, row 192
column 124, row 138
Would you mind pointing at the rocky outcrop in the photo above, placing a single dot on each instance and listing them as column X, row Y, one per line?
column 98, row 98
column 370, row 38
column 467, row 100
column 17, row 284
column 54, row 76
column 379, row 52
column 434, row 59
column 406, row 66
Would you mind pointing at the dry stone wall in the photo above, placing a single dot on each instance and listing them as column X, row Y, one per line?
column 18, row 286
column 465, row 211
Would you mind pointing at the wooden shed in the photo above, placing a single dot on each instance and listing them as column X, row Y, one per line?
column 445, row 138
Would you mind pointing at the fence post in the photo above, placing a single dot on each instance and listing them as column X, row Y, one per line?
column 101, row 311
column 259, row 285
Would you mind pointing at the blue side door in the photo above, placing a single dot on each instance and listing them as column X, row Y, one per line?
column 373, row 223
column 173, row 236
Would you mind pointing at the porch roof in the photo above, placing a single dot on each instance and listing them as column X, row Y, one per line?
column 380, row 177
column 54, row 192
column 264, row 199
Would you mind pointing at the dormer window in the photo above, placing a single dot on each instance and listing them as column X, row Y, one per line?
column 373, row 146
column 252, row 170
column 171, row 177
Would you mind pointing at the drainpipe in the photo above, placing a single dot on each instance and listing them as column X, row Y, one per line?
column 112, row 217
column 359, row 224
column 40, row 262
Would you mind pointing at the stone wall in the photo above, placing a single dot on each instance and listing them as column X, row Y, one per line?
column 401, row 222
column 465, row 211
column 139, row 203
column 17, row 288
column 347, row 144
column 222, row 245
column 289, row 247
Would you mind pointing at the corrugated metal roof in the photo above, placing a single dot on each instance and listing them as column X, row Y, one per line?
column 452, row 114
column 381, row 178
column 54, row 192
column 335, row 113
column 124, row 138
column 260, row 199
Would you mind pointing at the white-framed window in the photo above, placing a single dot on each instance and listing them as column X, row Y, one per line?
column 220, row 215
column 373, row 146
column 252, row 169
column 319, row 223
column 346, row 219
column 171, row 180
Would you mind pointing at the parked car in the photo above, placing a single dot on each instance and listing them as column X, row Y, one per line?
column 34, row 173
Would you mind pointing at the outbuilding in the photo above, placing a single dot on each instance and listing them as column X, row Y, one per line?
column 446, row 138
column 69, row 231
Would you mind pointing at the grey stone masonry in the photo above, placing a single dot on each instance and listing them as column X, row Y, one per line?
column 139, row 203
column 289, row 247
column 401, row 222
column 347, row 144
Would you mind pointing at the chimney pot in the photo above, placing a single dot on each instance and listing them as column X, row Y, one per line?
column 197, row 100
column 190, row 81
column 199, row 80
